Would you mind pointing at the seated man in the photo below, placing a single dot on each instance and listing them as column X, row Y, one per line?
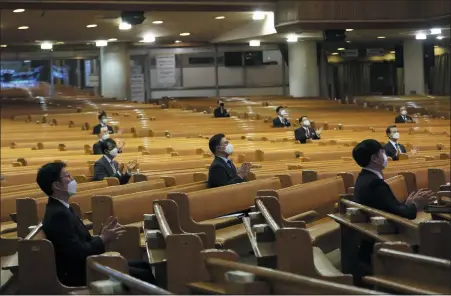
column 221, row 111
column 371, row 189
column 71, row 240
column 393, row 148
column 403, row 118
column 106, row 166
column 306, row 132
column 103, row 135
column 103, row 120
column 282, row 118
column 222, row 171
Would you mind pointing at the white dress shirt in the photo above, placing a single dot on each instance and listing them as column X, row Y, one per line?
column 112, row 165
column 375, row 172
column 396, row 145
column 62, row 201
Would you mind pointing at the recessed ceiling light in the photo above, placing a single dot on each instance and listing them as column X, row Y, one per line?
column 349, row 30
column 157, row 22
column 59, row 43
column 18, row 10
column 254, row 43
column 436, row 46
column 177, row 41
column 258, row 15
column 3, row 45
column 348, row 41
column 341, row 48
column 185, row 34
column 221, row 17
column 27, row 61
column 91, row 26
column 335, row 53
column 46, row 45
column 381, row 37
column 124, row 26
column 148, row 38
column 393, row 52
column 292, row 38
column 420, row 36
column 112, row 39
column 23, row 28
column 101, row 43
column 436, row 31
column 440, row 37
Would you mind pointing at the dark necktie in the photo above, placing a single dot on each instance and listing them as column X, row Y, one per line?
column 404, row 118
column 229, row 163
column 308, row 132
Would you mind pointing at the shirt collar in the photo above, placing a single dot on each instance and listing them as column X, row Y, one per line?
column 394, row 144
column 62, row 201
column 281, row 118
column 375, row 172
column 107, row 158
column 226, row 160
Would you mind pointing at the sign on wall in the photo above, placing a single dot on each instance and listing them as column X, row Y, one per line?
column 371, row 52
column 350, row 53
column 166, row 69
column 137, row 90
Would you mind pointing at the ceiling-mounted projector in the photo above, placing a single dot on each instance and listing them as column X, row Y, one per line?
column 133, row 17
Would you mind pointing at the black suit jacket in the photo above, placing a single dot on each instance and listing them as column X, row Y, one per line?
column 277, row 123
column 220, row 174
column 221, row 112
column 391, row 151
column 71, row 241
column 103, row 169
column 96, row 129
column 399, row 119
column 301, row 135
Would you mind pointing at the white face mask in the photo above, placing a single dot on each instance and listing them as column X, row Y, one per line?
column 104, row 120
column 72, row 187
column 384, row 162
column 306, row 122
column 114, row 152
column 228, row 149
column 404, row 112
column 283, row 113
column 105, row 136
column 395, row 136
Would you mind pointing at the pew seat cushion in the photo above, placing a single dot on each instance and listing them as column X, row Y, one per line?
column 231, row 237
column 222, row 222
column 323, row 264
column 325, row 234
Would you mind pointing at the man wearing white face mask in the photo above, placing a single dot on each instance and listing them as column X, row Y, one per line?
column 222, row 171
column 103, row 120
column 306, row 132
column 393, row 148
column 104, row 134
column 282, row 119
column 403, row 118
column 106, row 166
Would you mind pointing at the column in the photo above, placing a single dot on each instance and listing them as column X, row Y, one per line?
column 115, row 71
column 413, row 67
column 303, row 69
column 323, row 74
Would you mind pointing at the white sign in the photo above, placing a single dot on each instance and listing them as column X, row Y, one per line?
column 137, row 90
column 350, row 53
column 374, row 52
column 166, row 69
column 93, row 81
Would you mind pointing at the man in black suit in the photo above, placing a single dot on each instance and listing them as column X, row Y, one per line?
column 106, row 166
column 103, row 135
column 403, row 118
column 103, row 120
column 222, row 171
column 371, row 189
column 306, row 132
column 70, row 238
column 221, row 111
column 282, row 118
column 393, row 148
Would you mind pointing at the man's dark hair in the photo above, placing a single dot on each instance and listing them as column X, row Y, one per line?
column 363, row 151
column 214, row 142
column 387, row 131
column 102, row 114
column 107, row 145
column 278, row 108
column 49, row 174
column 302, row 119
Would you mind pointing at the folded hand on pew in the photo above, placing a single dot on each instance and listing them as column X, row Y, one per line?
column 421, row 198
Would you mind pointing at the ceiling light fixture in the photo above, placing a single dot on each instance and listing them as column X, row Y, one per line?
column 3, row 45
column 254, row 43
column 420, row 36
column 185, row 34
column 440, row 37
column 349, row 30
column 91, row 26
column 393, row 52
column 101, row 43
column 292, row 38
column 124, row 26
column 18, row 10
column 335, row 53
column 112, row 39
column 157, row 22
column 46, row 45
column 178, row 41
column 27, row 61
column 23, row 28
column 148, row 38
column 436, row 31
column 221, row 17
column 341, row 48
column 348, row 41
column 258, row 15
column 59, row 43
column 381, row 37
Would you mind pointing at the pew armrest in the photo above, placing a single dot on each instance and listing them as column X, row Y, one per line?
column 307, row 217
column 397, row 286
